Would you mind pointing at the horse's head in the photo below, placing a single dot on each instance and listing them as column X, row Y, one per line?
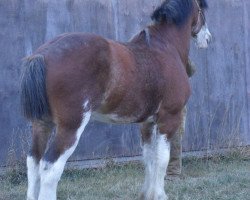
column 188, row 12
column 200, row 30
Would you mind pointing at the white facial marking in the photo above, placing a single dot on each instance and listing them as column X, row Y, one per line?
column 203, row 37
column 33, row 179
column 156, row 157
column 50, row 173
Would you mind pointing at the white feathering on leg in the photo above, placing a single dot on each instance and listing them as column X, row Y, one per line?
column 156, row 157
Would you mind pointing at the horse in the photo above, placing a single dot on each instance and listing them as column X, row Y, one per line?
column 77, row 77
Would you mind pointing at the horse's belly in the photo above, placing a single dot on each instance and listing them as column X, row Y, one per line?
column 112, row 118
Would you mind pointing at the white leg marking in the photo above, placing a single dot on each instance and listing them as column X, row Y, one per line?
column 203, row 37
column 156, row 158
column 33, row 179
column 51, row 172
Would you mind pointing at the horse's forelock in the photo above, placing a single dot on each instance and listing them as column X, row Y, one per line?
column 174, row 11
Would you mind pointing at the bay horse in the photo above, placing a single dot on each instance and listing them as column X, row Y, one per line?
column 77, row 77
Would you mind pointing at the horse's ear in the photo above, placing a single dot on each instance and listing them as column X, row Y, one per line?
column 157, row 15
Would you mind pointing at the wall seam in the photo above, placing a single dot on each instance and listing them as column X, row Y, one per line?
column 115, row 18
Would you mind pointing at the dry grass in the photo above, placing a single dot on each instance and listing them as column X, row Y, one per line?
column 223, row 178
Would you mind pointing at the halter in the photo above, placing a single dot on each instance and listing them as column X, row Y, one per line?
column 200, row 14
column 200, row 10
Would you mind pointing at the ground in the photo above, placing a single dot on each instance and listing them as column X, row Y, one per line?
column 220, row 178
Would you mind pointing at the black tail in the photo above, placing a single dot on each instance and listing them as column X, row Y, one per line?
column 34, row 100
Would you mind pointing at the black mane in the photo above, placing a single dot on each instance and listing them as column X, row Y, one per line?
column 175, row 11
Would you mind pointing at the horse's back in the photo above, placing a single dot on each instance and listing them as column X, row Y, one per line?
column 70, row 49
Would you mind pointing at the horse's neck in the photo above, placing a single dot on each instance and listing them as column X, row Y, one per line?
column 165, row 36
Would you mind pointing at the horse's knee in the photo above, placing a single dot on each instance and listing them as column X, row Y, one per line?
column 169, row 124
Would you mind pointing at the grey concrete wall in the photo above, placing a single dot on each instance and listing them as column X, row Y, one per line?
column 219, row 114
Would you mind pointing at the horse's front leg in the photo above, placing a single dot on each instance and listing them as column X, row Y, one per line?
column 156, row 150
column 52, row 164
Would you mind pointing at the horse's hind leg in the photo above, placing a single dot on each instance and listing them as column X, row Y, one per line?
column 41, row 131
column 60, row 149
column 156, row 157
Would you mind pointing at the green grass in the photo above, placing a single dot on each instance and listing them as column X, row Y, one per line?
column 211, row 179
